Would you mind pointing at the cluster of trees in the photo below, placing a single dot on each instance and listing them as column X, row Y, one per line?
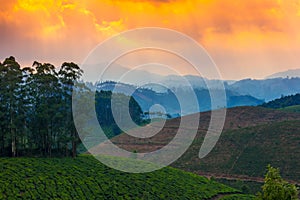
column 284, row 101
column 104, row 111
column 35, row 109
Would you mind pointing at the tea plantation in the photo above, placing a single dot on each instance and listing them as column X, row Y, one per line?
column 86, row 178
column 246, row 152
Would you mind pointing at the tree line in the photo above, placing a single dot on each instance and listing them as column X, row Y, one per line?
column 284, row 101
column 104, row 111
column 36, row 109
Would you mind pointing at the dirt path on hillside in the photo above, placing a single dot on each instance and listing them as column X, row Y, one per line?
column 219, row 196
column 237, row 177
column 231, row 177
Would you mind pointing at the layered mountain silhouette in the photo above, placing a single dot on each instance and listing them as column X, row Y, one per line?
column 168, row 99
column 285, row 74
column 267, row 89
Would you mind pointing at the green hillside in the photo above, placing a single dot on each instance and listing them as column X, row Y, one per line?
column 291, row 109
column 246, row 151
column 288, row 103
column 253, row 137
column 283, row 102
column 236, row 197
column 86, row 178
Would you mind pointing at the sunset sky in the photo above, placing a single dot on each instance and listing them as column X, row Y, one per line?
column 245, row 38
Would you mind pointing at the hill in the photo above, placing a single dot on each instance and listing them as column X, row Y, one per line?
column 147, row 97
column 252, row 138
column 86, row 178
column 245, row 152
column 283, row 102
column 266, row 89
column 284, row 74
column 237, row 118
column 291, row 109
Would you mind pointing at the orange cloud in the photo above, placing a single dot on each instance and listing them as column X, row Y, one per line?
column 233, row 31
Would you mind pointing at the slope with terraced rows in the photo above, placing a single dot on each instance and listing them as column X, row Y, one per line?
column 86, row 178
column 252, row 138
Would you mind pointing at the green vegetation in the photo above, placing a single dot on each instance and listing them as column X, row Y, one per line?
column 247, row 187
column 284, row 101
column 86, row 178
column 36, row 109
column 36, row 120
column 275, row 188
column 253, row 137
column 291, row 109
column 237, row 197
column 105, row 115
column 246, row 152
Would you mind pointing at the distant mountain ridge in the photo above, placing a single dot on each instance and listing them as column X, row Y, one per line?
column 285, row 101
column 274, row 86
column 285, row 74
column 267, row 89
column 147, row 97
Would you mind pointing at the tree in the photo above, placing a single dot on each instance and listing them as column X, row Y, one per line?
column 11, row 79
column 3, row 111
column 69, row 74
column 27, row 112
column 36, row 108
column 275, row 188
column 47, row 99
column 104, row 111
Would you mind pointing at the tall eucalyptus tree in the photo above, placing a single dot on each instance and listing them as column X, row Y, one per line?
column 47, row 99
column 69, row 74
column 11, row 79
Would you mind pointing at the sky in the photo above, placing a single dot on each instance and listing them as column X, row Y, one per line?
column 245, row 38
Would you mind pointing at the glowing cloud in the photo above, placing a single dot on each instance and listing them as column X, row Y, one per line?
column 242, row 36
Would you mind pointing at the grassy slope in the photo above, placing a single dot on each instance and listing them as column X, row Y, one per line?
column 247, row 151
column 86, row 178
column 291, row 109
column 247, row 187
column 253, row 137
column 237, row 197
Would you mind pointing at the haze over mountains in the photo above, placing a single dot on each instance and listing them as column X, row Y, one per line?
column 267, row 89
column 168, row 99
column 274, row 86
column 150, row 88
column 285, row 74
